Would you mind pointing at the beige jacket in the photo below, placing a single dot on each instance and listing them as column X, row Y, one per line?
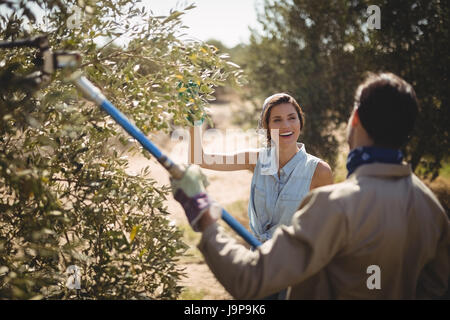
column 382, row 215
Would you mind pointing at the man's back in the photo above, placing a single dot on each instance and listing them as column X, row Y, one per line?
column 380, row 224
column 397, row 231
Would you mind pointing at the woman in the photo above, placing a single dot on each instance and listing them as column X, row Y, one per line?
column 283, row 174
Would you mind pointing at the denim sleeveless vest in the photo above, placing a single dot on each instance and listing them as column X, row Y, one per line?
column 274, row 200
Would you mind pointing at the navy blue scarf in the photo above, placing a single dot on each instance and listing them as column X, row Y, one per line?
column 364, row 155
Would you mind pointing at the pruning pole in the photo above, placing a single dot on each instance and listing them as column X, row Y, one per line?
column 94, row 94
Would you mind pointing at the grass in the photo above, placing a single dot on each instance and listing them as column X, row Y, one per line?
column 191, row 290
column 239, row 209
column 340, row 171
column 191, row 238
column 190, row 293
column 441, row 188
column 444, row 173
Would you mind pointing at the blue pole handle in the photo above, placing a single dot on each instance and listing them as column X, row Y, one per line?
column 120, row 118
column 240, row 230
column 94, row 94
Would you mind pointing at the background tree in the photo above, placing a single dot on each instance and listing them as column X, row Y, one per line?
column 318, row 51
column 65, row 196
column 303, row 50
column 413, row 43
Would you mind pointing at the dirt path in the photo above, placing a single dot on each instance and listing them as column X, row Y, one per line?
column 230, row 189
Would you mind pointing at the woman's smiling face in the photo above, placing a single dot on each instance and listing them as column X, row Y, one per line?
column 284, row 117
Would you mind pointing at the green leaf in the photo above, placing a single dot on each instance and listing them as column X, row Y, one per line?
column 173, row 16
column 133, row 232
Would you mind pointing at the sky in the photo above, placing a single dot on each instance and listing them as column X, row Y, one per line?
column 224, row 20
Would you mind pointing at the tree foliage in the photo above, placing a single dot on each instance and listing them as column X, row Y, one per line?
column 302, row 51
column 413, row 43
column 66, row 197
column 319, row 51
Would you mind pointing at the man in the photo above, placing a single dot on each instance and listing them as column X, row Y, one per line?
column 380, row 234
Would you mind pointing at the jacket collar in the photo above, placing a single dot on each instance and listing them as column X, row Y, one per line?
column 383, row 170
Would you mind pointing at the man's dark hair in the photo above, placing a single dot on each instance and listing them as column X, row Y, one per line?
column 387, row 107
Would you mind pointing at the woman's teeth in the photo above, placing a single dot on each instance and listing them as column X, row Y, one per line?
column 286, row 134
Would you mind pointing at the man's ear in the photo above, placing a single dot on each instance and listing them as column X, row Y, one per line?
column 355, row 119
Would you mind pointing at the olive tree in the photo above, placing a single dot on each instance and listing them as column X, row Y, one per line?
column 67, row 202
column 320, row 51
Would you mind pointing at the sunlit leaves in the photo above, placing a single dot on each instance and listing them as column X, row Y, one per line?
column 65, row 195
